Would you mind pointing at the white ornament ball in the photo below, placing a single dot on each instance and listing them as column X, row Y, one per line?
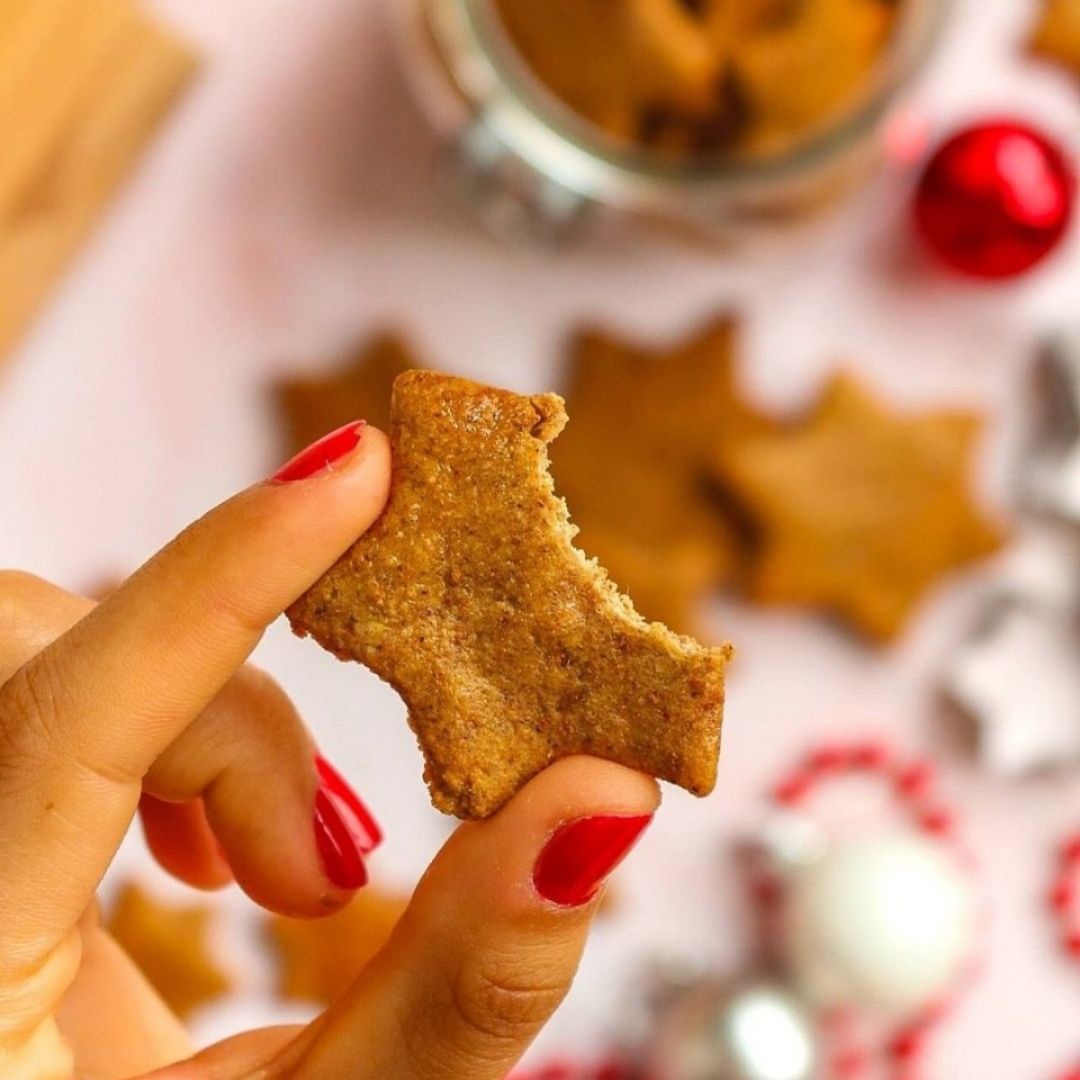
column 886, row 921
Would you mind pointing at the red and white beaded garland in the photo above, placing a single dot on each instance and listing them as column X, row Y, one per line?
column 913, row 781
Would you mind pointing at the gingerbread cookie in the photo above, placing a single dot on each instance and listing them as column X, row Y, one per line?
column 510, row 647
column 1057, row 35
column 798, row 73
column 358, row 390
column 705, row 77
column 861, row 510
column 637, row 462
column 170, row 945
column 320, row 958
column 612, row 61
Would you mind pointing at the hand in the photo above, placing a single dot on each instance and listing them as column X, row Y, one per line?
column 142, row 703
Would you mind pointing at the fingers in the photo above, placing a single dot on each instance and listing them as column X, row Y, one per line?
column 491, row 940
column 183, row 843
column 247, row 1055
column 82, row 722
column 33, row 614
column 111, row 1016
column 248, row 761
column 290, row 830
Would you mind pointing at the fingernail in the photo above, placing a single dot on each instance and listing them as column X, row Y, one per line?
column 364, row 826
column 576, row 861
column 322, row 454
column 345, row 831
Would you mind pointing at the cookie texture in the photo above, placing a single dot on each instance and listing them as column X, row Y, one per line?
column 510, row 647
column 358, row 389
column 638, row 463
column 170, row 945
column 860, row 509
column 318, row 959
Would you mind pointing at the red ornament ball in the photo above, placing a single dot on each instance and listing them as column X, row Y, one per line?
column 995, row 199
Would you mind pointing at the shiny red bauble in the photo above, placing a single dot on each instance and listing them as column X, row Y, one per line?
column 995, row 199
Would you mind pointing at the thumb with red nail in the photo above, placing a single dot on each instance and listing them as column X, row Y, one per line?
column 143, row 705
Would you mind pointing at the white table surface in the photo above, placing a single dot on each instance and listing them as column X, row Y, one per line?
column 291, row 206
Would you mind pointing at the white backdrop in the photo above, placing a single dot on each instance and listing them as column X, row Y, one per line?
column 290, row 207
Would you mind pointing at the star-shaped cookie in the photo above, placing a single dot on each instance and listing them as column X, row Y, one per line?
column 171, row 947
column 358, row 390
column 860, row 509
column 320, row 958
column 1057, row 35
column 637, row 463
column 509, row 646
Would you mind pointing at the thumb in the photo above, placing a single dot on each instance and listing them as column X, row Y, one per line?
column 492, row 938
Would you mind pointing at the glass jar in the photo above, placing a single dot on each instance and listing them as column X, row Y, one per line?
column 534, row 169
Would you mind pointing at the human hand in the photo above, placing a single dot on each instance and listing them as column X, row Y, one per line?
column 143, row 704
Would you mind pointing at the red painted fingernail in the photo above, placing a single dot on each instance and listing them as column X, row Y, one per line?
column 341, row 857
column 345, row 831
column 577, row 859
column 322, row 454
column 364, row 827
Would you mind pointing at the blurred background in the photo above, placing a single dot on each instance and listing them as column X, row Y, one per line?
column 224, row 223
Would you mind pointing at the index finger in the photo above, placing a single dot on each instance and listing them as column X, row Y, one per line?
column 81, row 723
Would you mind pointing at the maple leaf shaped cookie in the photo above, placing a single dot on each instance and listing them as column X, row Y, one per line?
column 510, row 647
column 636, row 464
column 170, row 945
column 860, row 509
column 359, row 389
column 1057, row 35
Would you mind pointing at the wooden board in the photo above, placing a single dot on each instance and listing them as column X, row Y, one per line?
column 83, row 85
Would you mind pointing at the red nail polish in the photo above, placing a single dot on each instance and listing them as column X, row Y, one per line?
column 322, row 454
column 345, row 830
column 578, row 858
column 364, row 827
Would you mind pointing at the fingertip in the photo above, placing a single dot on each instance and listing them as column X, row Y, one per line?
column 494, row 932
column 580, row 785
column 577, row 819
column 590, row 814
column 354, row 450
column 289, row 881
column 181, row 840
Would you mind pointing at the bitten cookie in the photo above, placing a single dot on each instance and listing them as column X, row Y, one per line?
column 510, row 647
